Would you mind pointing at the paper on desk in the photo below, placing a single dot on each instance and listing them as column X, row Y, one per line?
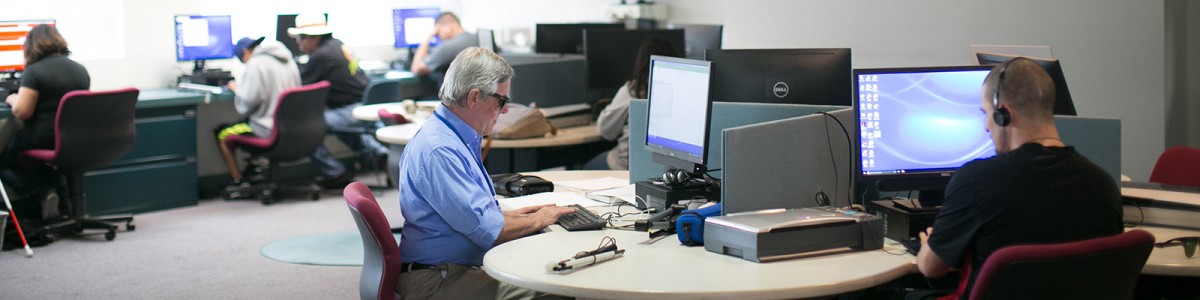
column 593, row 184
column 621, row 193
column 556, row 198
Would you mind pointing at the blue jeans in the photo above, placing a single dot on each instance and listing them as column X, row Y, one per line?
column 342, row 123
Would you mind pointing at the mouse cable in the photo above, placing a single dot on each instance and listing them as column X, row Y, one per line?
column 849, row 148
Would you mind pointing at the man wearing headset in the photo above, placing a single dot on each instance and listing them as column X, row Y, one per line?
column 1035, row 190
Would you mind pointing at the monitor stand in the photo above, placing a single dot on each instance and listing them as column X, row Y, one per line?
column 929, row 201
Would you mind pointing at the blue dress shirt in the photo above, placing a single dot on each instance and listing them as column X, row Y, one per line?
column 446, row 196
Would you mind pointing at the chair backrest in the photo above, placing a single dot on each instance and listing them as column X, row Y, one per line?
column 92, row 129
column 1179, row 165
column 299, row 122
column 382, row 91
column 381, row 253
column 1099, row 268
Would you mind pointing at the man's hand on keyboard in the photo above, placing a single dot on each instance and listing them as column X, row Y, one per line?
column 526, row 210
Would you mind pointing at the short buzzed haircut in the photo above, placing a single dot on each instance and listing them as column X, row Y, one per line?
column 1025, row 88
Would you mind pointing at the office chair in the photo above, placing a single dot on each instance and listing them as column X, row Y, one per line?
column 1179, row 165
column 1098, row 268
column 378, row 91
column 381, row 253
column 91, row 129
column 299, row 128
column 389, row 118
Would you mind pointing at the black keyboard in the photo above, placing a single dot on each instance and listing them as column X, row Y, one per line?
column 912, row 245
column 581, row 219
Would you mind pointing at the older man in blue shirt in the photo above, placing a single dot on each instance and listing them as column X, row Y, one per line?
column 451, row 217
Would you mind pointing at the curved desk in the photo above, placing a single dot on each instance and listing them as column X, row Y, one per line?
column 401, row 134
column 370, row 113
column 1170, row 261
column 571, row 146
column 667, row 270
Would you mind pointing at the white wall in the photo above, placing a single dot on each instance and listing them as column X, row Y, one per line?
column 1112, row 51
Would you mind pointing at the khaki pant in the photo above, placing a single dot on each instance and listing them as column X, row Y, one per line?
column 449, row 281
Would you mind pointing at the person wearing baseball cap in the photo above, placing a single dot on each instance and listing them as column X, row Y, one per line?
column 270, row 69
column 329, row 59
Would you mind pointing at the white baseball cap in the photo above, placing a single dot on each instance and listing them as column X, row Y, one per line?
column 310, row 24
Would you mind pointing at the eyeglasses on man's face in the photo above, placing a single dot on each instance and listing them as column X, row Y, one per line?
column 1188, row 243
column 503, row 99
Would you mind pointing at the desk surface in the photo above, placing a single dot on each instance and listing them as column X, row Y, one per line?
column 667, row 270
column 1171, row 260
column 370, row 113
column 400, row 134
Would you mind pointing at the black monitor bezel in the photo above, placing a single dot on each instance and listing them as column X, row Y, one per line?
column 575, row 32
column 601, row 53
column 660, row 152
column 736, row 58
column 1063, row 103
column 922, row 179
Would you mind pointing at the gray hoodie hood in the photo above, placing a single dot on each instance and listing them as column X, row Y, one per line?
column 273, row 49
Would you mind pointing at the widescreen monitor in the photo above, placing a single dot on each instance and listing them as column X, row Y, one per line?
column 412, row 26
column 612, row 54
column 12, row 40
column 916, row 126
column 565, row 38
column 487, row 39
column 1063, row 104
column 793, row 76
column 200, row 38
column 699, row 38
column 678, row 113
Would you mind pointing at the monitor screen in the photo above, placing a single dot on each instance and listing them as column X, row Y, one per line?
column 412, row 25
column 612, row 54
column 12, row 41
column 1063, row 104
column 678, row 114
column 203, row 37
column 699, row 38
column 565, row 38
column 487, row 39
column 795, row 76
column 920, row 121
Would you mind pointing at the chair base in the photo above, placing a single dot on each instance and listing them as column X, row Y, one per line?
column 269, row 193
column 75, row 226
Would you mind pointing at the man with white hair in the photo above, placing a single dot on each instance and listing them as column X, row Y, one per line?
column 451, row 217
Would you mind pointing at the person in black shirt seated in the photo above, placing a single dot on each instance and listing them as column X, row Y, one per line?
column 328, row 59
column 48, row 75
column 1035, row 190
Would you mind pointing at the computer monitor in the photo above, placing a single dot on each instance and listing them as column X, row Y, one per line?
column 1063, row 105
column 200, row 38
column 796, row 76
column 487, row 39
column 612, row 54
column 412, row 26
column 678, row 114
column 916, row 126
column 12, row 43
column 699, row 38
column 565, row 38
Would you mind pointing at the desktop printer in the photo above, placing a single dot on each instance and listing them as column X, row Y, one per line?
column 777, row 234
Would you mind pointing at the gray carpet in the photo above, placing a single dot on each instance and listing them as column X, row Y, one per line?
column 210, row 251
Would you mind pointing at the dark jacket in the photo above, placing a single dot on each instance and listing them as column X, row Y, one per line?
column 346, row 79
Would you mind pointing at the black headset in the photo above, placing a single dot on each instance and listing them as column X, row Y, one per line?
column 676, row 177
column 1000, row 114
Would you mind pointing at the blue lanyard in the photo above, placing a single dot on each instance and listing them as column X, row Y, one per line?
column 475, row 156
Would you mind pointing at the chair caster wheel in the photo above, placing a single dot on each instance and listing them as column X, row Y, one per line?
column 110, row 235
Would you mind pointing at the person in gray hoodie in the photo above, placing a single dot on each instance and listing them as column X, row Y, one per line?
column 270, row 69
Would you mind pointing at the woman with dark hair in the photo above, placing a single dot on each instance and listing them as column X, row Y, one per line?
column 48, row 75
column 613, row 122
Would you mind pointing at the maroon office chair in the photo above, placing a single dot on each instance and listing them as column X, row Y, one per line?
column 381, row 253
column 1098, row 268
column 299, row 128
column 91, row 129
column 1179, row 165
column 389, row 118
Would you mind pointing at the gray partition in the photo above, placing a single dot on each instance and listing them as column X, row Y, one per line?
column 785, row 163
column 724, row 115
column 1097, row 139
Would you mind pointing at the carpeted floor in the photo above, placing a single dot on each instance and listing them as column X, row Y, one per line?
column 210, row 251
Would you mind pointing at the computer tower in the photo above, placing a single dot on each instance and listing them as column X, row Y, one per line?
column 899, row 224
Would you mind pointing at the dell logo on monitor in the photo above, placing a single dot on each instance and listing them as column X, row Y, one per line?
column 780, row 89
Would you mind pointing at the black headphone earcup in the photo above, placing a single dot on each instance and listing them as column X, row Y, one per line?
column 1001, row 116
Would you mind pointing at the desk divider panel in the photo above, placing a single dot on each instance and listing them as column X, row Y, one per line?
column 784, row 163
column 724, row 115
column 1097, row 139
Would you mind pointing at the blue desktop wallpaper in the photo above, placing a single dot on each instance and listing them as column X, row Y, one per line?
column 925, row 121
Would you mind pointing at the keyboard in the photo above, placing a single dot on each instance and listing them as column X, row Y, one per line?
column 912, row 245
column 581, row 219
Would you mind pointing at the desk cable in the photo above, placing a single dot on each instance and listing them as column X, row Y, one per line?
column 1142, row 219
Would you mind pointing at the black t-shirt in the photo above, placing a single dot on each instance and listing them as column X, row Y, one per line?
column 1031, row 195
column 346, row 79
column 52, row 77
